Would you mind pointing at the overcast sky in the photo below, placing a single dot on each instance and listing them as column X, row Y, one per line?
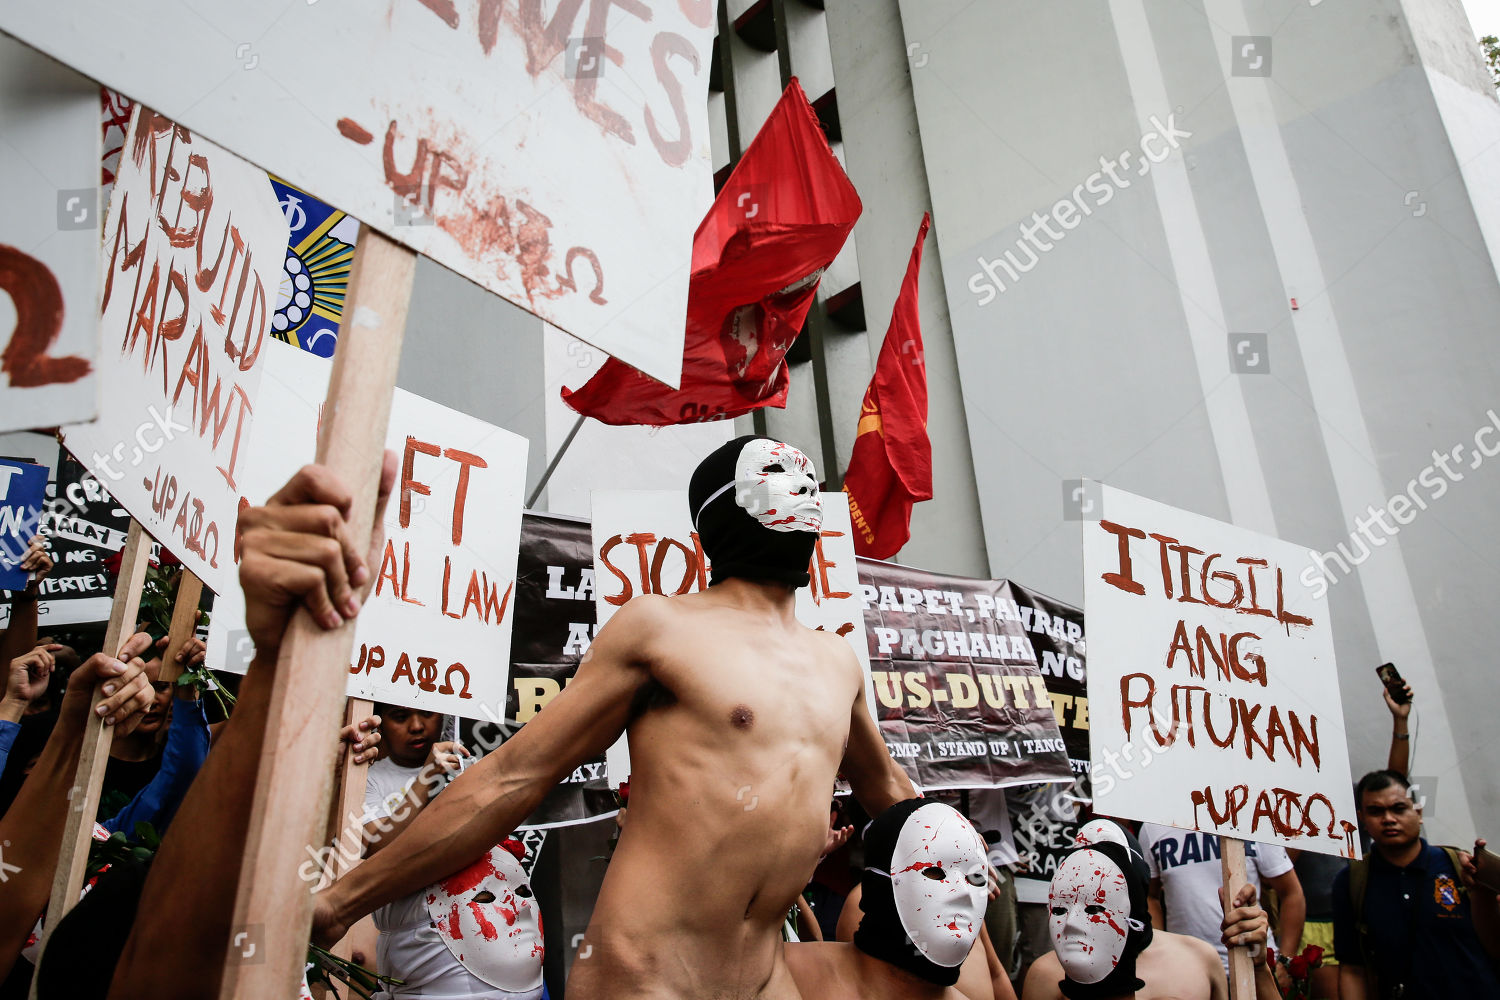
column 1484, row 15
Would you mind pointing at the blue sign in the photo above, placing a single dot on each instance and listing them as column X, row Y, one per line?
column 23, row 488
column 315, row 274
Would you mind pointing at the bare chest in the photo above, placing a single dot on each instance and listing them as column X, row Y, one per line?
column 745, row 683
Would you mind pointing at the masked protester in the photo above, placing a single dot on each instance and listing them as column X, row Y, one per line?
column 922, row 898
column 1099, row 921
column 491, row 922
column 1105, row 946
column 717, row 691
column 756, row 508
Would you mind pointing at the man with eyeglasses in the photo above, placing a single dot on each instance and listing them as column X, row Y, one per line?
column 1404, row 923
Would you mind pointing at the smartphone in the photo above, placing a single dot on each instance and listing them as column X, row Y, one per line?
column 1488, row 864
column 1391, row 678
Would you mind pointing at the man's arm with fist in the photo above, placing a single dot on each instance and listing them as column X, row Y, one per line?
column 32, row 828
column 297, row 550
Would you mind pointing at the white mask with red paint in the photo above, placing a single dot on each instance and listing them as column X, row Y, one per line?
column 940, row 883
column 491, row 922
column 1089, row 915
column 777, row 485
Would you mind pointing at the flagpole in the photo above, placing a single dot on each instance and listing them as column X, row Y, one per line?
column 552, row 465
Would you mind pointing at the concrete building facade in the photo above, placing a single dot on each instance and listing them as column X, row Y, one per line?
column 1259, row 284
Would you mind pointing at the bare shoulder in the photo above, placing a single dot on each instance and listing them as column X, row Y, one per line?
column 639, row 618
column 835, row 648
column 1181, row 948
column 1042, row 979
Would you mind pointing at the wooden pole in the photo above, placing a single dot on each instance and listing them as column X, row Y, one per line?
column 67, row 879
column 293, row 787
column 1241, row 965
column 349, row 800
column 184, row 624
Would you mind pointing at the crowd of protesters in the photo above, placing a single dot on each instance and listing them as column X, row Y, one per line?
column 1411, row 920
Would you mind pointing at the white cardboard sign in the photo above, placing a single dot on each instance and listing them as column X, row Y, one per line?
column 190, row 265
column 49, row 241
column 1213, row 694
column 644, row 543
column 435, row 630
column 559, row 158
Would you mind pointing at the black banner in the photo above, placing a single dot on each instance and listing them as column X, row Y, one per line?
column 958, row 693
column 554, row 623
column 1044, row 819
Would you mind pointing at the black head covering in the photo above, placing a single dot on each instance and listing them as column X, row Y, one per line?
column 735, row 542
column 1137, row 936
column 880, row 934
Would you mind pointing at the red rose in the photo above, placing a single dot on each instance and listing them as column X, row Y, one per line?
column 1299, row 967
column 624, row 791
column 168, row 559
column 515, row 847
column 112, row 564
column 1313, row 954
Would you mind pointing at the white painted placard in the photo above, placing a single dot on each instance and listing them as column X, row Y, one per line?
column 560, row 159
column 1213, row 694
column 189, row 268
column 49, row 241
column 435, row 631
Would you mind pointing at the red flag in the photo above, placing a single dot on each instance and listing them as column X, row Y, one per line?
column 758, row 255
column 891, row 467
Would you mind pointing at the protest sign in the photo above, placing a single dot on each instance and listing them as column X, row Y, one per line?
column 191, row 258
column 535, row 154
column 1044, row 818
column 644, row 543
column 85, row 527
column 23, row 487
column 435, row 631
column 1213, row 694
column 959, row 697
column 319, row 256
column 49, row 241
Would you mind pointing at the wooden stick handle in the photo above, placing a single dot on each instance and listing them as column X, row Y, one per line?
column 294, row 784
column 184, row 624
column 344, row 827
column 67, row 878
column 1241, row 965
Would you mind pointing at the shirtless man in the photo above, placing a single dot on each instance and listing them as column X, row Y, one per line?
column 1171, row 966
column 927, row 883
column 739, row 718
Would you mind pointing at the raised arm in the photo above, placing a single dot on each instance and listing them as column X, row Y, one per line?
column 19, row 635
column 491, row 798
column 1399, row 758
column 295, row 551
column 32, row 828
column 876, row 779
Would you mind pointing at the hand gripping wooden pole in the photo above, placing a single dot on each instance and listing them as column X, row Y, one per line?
column 273, row 907
column 83, row 797
column 1241, row 965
